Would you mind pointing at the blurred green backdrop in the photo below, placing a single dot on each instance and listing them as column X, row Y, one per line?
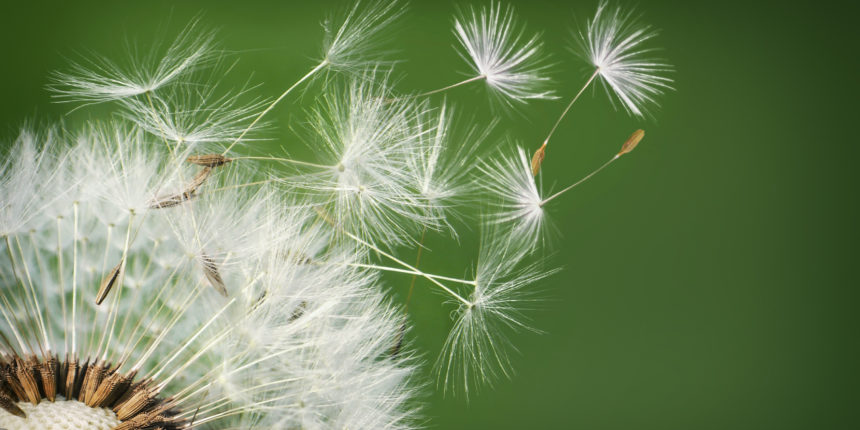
column 709, row 279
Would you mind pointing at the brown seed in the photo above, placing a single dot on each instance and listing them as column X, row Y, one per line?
column 49, row 372
column 97, row 384
column 186, row 194
column 147, row 420
column 198, row 179
column 9, row 405
column 171, row 200
column 10, row 386
column 394, row 351
column 298, row 311
column 632, row 141
column 15, row 385
column 141, row 398
column 108, row 283
column 111, row 388
column 296, row 257
column 209, row 160
column 71, row 369
column 210, row 269
column 94, row 376
column 26, row 376
column 537, row 159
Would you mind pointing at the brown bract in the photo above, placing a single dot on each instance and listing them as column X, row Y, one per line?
column 96, row 384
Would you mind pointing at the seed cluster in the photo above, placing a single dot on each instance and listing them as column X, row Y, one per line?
column 93, row 382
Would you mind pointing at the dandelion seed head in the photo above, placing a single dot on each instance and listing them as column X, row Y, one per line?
column 292, row 330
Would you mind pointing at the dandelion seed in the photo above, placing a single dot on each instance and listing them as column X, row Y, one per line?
column 8, row 404
column 628, row 146
column 512, row 65
column 441, row 172
column 631, row 142
column 188, row 193
column 511, row 179
column 100, row 79
column 349, row 48
column 208, row 160
column 196, row 116
column 475, row 352
column 210, row 269
column 353, row 45
column 108, row 282
column 368, row 144
column 613, row 43
column 537, row 159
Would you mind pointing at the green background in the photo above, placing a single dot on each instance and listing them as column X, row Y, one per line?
column 709, row 277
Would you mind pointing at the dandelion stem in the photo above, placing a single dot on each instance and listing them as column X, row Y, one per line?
column 568, row 188
column 34, row 299
column 75, row 273
column 27, row 307
column 248, row 184
column 188, row 342
column 160, row 129
column 452, row 86
column 415, row 275
column 277, row 100
column 285, row 160
column 411, row 272
column 37, row 252
column 7, row 305
column 187, row 301
column 569, row 105
column 406, row 265
column 61, row 282
column 114, row 312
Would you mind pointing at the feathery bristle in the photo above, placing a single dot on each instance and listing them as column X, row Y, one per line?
column 495, row 46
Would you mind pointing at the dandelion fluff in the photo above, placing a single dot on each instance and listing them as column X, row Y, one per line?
column 497, row 50
column 614, row 42
column 99, row 79
column 164, row 348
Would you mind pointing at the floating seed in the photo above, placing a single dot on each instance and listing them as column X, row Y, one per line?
column 108, row 283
